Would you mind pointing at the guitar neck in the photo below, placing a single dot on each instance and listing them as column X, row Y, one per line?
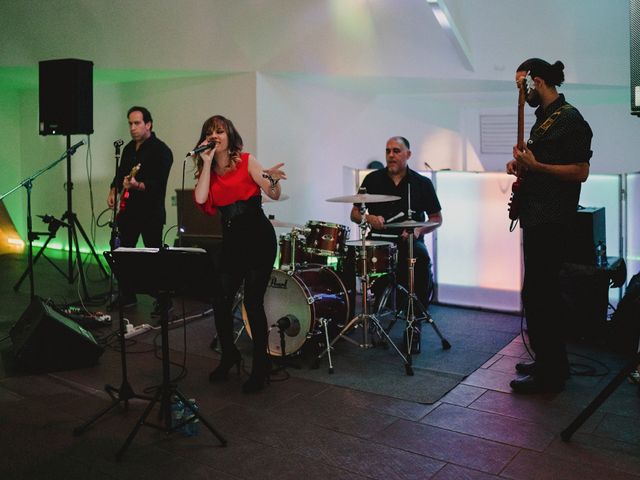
column 520, row 139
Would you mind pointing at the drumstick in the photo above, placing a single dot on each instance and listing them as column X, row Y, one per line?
column 389, row 220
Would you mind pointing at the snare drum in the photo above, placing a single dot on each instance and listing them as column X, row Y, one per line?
column 303, row 296
column 326, row 239
column 381, row 256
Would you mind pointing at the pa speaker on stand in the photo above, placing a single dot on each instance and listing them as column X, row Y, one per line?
column 66, row 108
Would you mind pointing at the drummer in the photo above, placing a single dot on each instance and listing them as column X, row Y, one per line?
column 395, row 180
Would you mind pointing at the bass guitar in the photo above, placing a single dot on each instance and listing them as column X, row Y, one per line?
column 514, row 201
column 125, row 194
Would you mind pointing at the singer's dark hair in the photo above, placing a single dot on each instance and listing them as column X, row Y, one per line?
column 146, row 114
column 235, row 140
column 553, row 75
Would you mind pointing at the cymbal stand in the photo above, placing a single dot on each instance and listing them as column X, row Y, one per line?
column 412, row 328
column 365, row 319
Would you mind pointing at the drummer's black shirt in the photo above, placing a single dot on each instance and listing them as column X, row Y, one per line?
column 424, row 200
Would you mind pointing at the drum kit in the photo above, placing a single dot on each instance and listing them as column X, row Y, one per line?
column 306, row 298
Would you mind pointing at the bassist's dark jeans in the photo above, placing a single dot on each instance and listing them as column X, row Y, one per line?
column 544, row 252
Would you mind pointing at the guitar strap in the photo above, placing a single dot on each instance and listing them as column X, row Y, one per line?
column 542, row 129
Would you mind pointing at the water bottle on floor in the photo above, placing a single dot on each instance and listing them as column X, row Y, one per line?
column 193, row 427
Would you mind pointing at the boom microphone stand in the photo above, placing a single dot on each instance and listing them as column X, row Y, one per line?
column 28, row 184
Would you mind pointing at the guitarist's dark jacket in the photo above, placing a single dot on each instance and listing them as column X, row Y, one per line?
column 155, row 159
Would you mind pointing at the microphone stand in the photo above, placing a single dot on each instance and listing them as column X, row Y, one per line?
column 114, row 241
column 27, row 183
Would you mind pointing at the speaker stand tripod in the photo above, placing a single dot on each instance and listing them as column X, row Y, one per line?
column 74, row 226
column 364, row 319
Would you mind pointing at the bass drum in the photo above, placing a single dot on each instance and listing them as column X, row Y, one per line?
column 297, row 300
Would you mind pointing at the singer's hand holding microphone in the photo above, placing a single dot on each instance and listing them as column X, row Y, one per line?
column 202, row 148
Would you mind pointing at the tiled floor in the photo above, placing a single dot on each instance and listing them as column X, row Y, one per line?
column 298, row 429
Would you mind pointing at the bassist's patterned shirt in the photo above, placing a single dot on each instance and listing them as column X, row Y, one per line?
column 565, row 140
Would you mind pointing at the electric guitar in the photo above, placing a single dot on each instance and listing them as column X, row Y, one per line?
column 514, row 201
column 125, row 194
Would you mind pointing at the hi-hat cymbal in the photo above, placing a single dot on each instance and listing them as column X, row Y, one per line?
column 410, row 224
column 364, row 198
column 282, row 198
column 279, row 224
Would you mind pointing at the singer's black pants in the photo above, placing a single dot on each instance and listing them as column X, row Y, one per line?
column 247, row 256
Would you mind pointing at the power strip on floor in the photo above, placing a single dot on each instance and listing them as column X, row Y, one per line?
column 133, row 331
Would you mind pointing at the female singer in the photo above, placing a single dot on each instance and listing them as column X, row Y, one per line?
column 230, row 180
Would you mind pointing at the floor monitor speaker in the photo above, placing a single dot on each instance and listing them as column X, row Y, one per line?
column 44, row 340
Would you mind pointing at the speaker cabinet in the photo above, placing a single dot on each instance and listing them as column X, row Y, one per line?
column 200, row 230
column 585, row 291
column 66, row 97
column 46, row 341
column 589, row 228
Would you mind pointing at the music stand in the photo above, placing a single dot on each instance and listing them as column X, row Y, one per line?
column 125, row 392
column 164, row 272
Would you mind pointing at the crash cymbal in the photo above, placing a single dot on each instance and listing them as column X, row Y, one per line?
column 410, row 224
column 364, row 198
column 282, row 198
column 279, row 224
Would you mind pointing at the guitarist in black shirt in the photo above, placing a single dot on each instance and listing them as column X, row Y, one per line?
column 553, row 163
column 142, row 180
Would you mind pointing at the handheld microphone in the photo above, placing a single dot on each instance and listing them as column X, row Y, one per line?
column 195, row 151
column 118, row 143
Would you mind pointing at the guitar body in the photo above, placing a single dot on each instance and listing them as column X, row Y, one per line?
column 122, row 206
column 514, row 201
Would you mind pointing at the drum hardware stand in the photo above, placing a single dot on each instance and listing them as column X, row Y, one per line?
column 366, row 319
column 324, row 322
column 413, row 322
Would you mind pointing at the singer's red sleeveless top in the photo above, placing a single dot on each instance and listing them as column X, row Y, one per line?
column 231, row 187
